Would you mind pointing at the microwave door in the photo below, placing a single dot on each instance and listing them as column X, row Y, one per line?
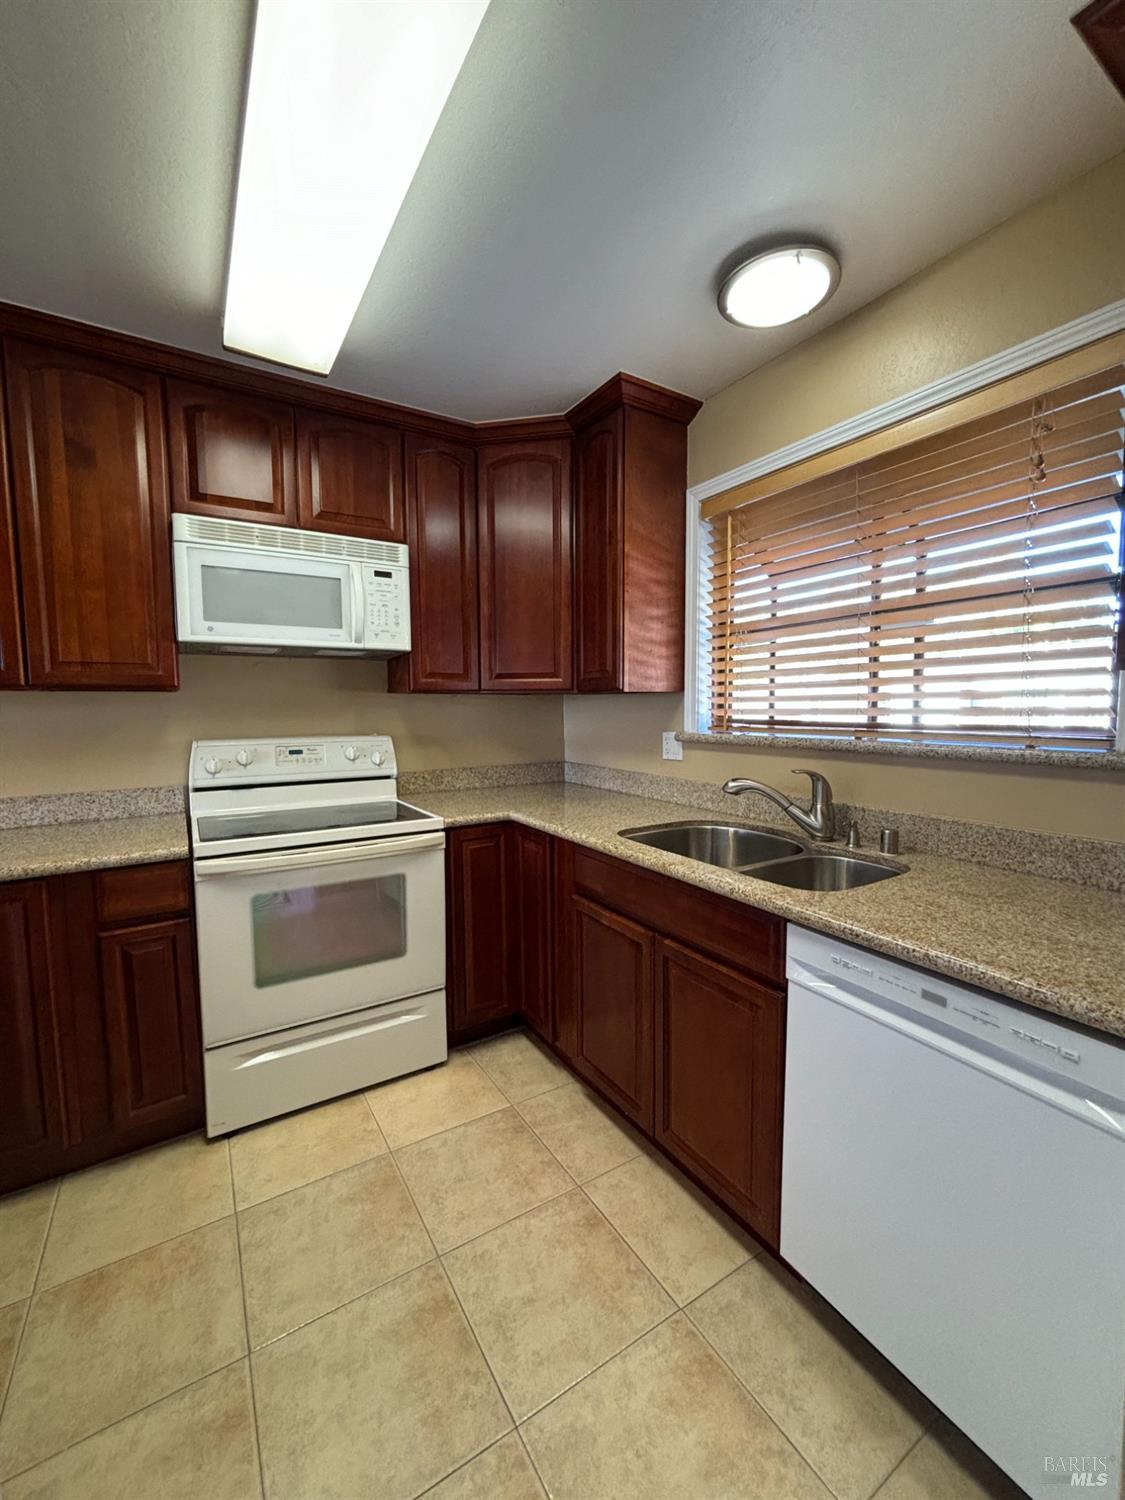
column 230, row 597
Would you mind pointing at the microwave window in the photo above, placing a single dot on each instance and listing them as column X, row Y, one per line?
column 251, row 596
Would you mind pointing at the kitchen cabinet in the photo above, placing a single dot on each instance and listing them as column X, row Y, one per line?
column 669, row 1002
column 86, row 439
column 99, row 1032
column 479, row 970
column 630, row 457
column 349, row 476
column 524, row 526
column 31, row 1110
column 611, row 1007
column 530, row 902
column 441, row 521
column 152, row 1025
column 232, row 454
column 11, row 633
column 719, row 1079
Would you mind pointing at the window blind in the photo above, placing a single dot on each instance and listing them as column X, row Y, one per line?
column 964, row 587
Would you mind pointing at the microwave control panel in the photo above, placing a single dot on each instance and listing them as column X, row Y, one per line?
column 386, row 607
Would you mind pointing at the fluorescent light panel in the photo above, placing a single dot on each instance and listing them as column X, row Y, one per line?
column 344, row 96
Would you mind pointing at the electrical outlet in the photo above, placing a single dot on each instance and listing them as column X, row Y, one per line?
column 670, row 747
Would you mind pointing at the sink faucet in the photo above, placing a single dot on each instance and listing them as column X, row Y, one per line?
column 817, row 822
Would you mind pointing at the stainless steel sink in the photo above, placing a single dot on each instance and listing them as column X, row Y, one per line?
column 823, row 872
column 724, row 844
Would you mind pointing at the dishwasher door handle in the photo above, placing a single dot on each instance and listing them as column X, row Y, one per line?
column 1103, row 1117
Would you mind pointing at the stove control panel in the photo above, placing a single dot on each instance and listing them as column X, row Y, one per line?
column 249, row 761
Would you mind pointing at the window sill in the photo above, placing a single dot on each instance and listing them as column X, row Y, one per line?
column 1070, row 760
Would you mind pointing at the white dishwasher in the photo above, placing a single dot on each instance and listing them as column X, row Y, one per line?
column 953, row 1182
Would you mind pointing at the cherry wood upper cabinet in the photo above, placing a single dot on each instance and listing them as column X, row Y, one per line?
column 349, row 476
column 523, row 491
column 232, row 454
column 719, row 1081
column 441, row 516
column 31, row 1111
column 11, row 635
column 630, row 517
column 88, row 467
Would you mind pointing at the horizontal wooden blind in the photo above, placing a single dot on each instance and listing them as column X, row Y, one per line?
column 964, row 587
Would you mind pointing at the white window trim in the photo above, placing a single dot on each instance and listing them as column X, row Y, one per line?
column 1063, row 340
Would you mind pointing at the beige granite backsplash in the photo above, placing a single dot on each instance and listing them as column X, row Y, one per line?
column 1094, row 862
column 89, row 807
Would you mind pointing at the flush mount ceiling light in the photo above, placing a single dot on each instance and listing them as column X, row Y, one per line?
column 779, row 285
column 342, row 102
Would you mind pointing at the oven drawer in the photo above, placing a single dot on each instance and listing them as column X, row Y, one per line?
column 267, row 1076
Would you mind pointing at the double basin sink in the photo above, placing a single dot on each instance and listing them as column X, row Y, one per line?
column 765, row 856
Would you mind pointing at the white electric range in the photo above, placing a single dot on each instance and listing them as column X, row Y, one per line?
column 320, row 914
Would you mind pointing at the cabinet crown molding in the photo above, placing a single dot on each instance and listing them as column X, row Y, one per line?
column 630, row 390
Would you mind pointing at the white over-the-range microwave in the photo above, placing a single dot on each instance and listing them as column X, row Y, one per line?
column 279, row 591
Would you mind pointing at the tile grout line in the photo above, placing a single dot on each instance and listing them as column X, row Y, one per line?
column 18, row 1350
column 531, row 1460
column 246, row 1327
column 792, row 1442
column 896, row 1466
column 117, row 1422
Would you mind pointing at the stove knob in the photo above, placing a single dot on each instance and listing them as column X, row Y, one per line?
column 350, row 752
column 244, row 757
column 212, row 766
column 377, row 757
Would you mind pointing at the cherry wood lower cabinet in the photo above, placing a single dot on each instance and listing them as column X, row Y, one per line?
column 609, row 1035
column 100, row 1048
column 719, row 1080
column 666, row 999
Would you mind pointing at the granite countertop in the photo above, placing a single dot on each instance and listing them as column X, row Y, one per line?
column 1052, row 944
column 93, row 844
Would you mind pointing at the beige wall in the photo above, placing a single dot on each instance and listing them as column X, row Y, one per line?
column 1055, row 261
column 57, row 742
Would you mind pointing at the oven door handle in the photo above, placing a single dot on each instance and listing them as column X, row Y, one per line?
column 337, row 854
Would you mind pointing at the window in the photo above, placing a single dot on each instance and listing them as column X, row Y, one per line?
column 964, row 587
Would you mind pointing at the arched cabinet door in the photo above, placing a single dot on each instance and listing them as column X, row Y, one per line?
column 524, row 509
column 349, row 476
column 91, row 502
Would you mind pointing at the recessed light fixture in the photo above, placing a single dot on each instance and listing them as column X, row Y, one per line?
column 779, row 285
column 343, row 99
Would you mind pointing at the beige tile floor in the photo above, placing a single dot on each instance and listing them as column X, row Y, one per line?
column 471, row 1284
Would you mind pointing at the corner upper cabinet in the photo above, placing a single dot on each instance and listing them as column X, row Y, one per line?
column 349, row 476
column 11, row 633
column 231, row 455
column 441, row 518
column 524, row 511
column 91, row 505
column 630, row 517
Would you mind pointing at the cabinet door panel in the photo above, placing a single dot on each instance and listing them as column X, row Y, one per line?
column 152, row 1020
column 525, row 567
column 87, row 445
column 31, row 1110
column 479, row 971
column 598, row 537
column 231, row 455
column 349, row 477
column 441, row 520
column 613, row 1000
column 718, row 1081
column 11, row 633
column 531, row 915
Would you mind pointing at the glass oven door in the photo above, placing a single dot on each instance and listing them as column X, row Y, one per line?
column 225, row 595
column 286, row 938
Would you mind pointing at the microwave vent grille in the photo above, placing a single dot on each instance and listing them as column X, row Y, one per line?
column 286, row 539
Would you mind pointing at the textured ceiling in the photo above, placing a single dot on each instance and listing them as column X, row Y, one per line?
column 598, row 162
